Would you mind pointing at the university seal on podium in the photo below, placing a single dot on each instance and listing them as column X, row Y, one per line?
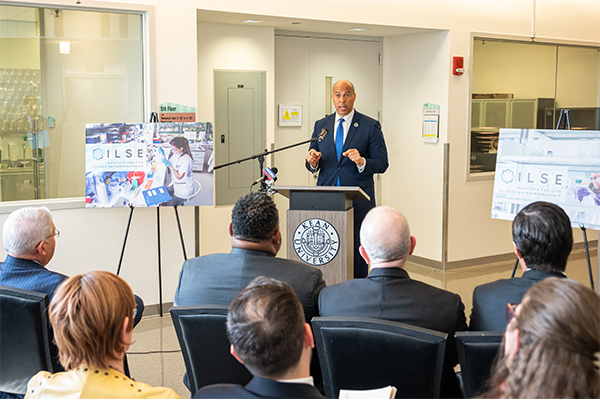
column 316, row 242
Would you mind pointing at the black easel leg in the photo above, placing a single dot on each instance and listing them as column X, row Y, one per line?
column 159, row 266
column 587, row 254
column 515, row 268
column 180, row 233
column 125, row 240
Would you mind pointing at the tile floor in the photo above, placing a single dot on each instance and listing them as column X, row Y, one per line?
column 155, row 357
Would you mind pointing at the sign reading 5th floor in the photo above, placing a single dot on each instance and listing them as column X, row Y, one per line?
column 171, row 112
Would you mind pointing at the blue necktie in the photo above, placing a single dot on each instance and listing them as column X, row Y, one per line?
column 339, row 143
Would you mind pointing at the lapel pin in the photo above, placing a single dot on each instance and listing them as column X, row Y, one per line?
column 356, row 124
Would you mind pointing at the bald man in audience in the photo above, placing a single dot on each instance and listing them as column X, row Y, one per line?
column 389, row 293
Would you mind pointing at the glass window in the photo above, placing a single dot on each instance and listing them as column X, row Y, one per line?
column 526, row 85
column 61, row 69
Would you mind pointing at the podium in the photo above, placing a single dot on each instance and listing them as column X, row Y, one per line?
column 320, row 228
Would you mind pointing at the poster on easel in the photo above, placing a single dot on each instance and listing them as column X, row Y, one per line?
column 557, row 166
column 149, row 165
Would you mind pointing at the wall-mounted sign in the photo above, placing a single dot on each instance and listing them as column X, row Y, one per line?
column 290, row 115
column 431, row 123
column 171, row 112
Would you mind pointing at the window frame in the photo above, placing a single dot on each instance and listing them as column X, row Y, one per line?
column 147, row 13
column 477, row 35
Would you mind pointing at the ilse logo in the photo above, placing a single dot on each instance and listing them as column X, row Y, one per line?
column 316, row 241
column 508, row 176
column 98, row 154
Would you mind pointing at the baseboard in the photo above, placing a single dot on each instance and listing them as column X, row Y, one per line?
column 578, row 251
column 153, row 309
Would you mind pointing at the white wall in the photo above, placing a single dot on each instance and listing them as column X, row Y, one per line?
column 230, row 47
column 413, row 182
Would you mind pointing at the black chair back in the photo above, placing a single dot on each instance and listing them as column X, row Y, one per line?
column 366, row 353
column 476, row 354
column 202, row 335
column 24, row 338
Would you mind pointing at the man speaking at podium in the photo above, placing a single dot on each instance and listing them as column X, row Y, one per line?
column 349, row 155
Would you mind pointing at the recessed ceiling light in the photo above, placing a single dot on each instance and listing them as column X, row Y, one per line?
column 357, row 29
column 252, row 21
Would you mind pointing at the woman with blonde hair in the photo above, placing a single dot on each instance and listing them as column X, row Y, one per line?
column 551, row 345
column 92, row 316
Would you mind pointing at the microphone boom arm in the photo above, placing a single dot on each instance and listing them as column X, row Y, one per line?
column 262, row 155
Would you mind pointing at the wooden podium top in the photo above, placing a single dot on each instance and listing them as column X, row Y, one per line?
column 351, row 192
column 324, row 198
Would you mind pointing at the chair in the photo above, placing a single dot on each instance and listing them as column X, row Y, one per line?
column 197, row 188
column 366, row 353
column 24, row 338
column 202, row 335
column 476, row 354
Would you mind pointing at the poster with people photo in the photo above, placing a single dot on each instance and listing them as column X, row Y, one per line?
column 557, row 166
column 149, row 165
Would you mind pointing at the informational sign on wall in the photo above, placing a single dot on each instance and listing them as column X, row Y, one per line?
column 143, row 165
column 431, row 123
column 171, row 112
column 557, row 166
column 290, row 115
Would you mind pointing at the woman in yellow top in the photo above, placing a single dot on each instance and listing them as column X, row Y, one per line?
column 92, row 317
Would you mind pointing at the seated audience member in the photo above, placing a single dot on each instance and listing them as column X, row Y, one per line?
column 92, row 316
column 389, row 293
column 542, row 238
column 266, row 328
column 551, row 345
column 29, row 238
column 256, row 239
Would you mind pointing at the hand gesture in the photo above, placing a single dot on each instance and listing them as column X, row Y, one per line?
column 355, row 156
column 313, row 157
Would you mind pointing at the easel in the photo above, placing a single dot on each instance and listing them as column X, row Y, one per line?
column 154, row 118
column 567, row 125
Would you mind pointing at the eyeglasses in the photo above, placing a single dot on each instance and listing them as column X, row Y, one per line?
column 56, row 234
column 510, row 311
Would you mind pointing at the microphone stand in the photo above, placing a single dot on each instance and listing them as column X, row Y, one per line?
column 261, row 157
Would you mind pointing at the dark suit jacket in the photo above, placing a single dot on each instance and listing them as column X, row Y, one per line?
column 259, row 388
column 218, row 278
column 389, row 293
column 489, row 300
column 29, row 275
column 365, row 135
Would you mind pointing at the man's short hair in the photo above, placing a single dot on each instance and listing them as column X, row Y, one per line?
column 542, row 234
column 254, row 217
column 265, row 325
column 25, row 228
column 87, row 314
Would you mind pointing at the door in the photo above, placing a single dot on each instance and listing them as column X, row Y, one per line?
column 305, row 70
column 239, row 131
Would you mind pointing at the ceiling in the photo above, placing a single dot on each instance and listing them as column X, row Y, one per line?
column 305, row 25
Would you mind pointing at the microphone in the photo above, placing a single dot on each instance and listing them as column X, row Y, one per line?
column 323, row 133
column 268, row 175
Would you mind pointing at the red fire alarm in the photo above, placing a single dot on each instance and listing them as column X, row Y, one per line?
column 458, row 67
